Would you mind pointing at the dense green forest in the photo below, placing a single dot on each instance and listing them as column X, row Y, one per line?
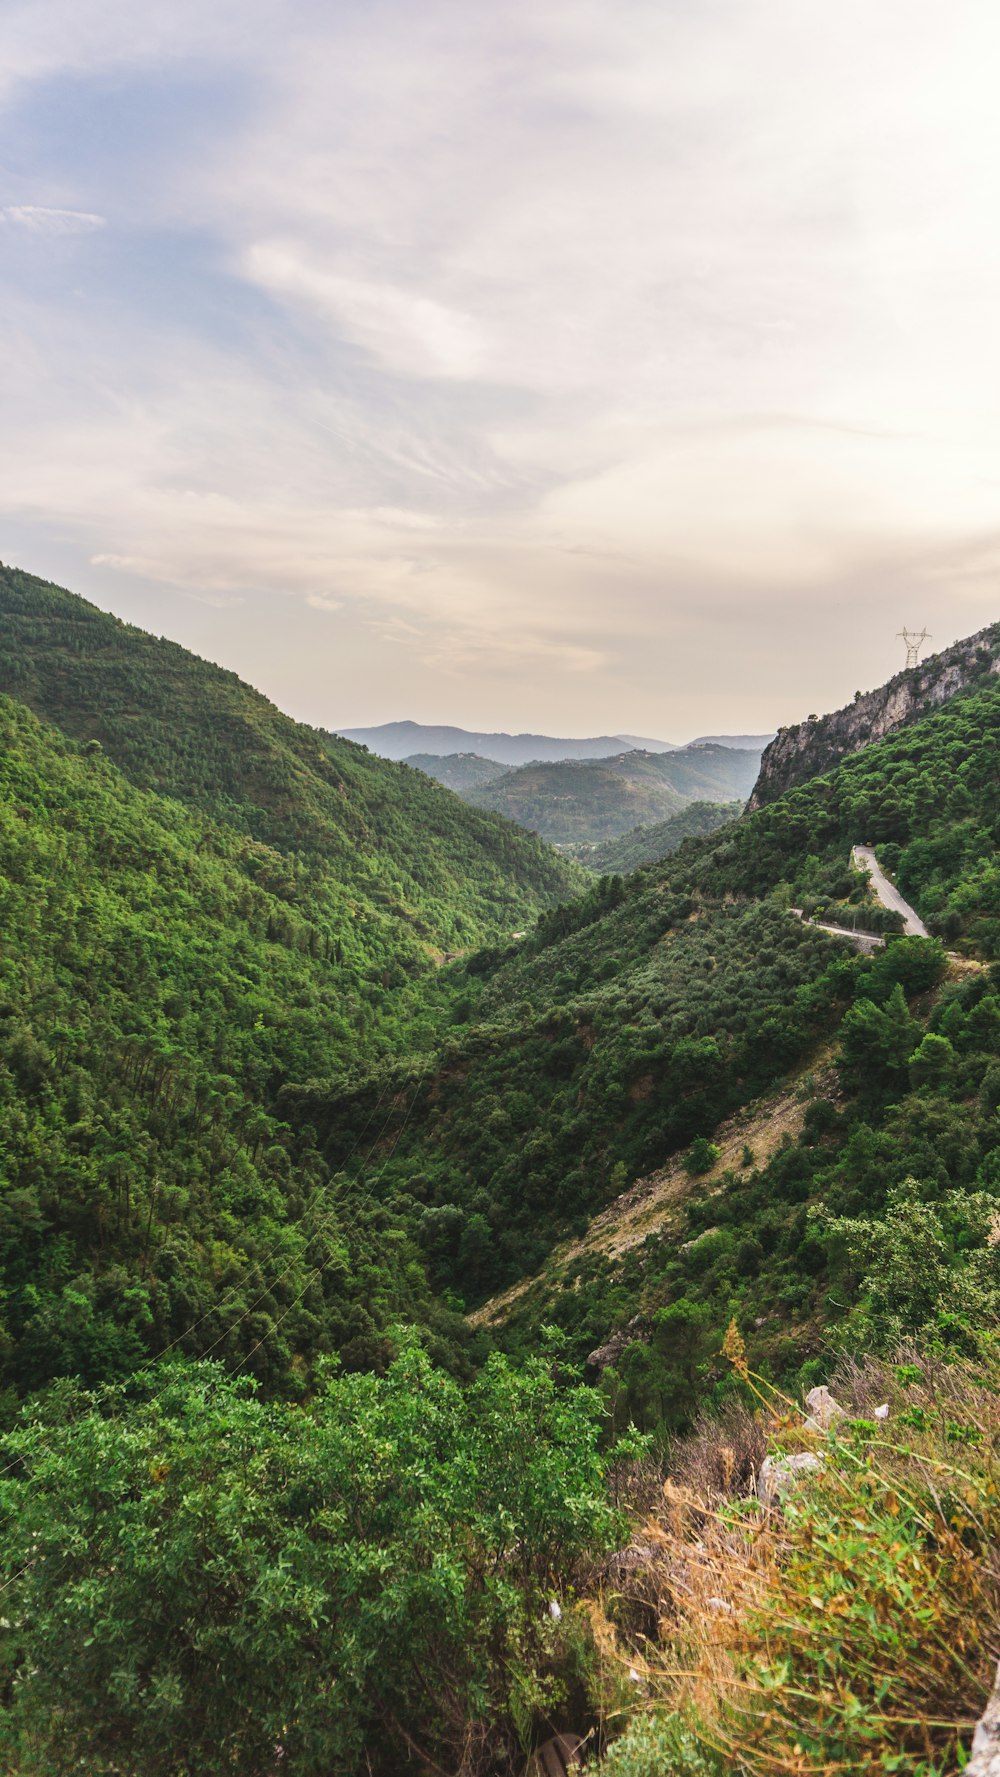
column 647, row 845
column 176, row 724
column 587, row 801
column 269, row 1500
column 460, row 771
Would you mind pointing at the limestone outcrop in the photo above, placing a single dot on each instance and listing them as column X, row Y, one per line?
column 819, row 743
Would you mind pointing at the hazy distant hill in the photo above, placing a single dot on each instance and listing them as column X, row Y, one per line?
column 402, row 740
column 588, row 800
column 743, row 743
column 460, row 771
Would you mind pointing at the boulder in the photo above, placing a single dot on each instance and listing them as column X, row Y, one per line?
column 609, row 1353
column 779, row 1473
column 557, row 1756
column 824, row 1411
column 985, row 1759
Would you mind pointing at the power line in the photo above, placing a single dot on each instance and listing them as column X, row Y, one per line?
column 913, row 642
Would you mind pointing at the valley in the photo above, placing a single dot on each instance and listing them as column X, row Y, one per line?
column 355, row 1143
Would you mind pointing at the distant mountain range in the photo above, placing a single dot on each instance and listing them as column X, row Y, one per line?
column 740, row 743
column 402, row 740
column 415, row 741
column 585, row 801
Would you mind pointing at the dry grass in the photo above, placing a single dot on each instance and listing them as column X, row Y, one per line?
column 856, row 1628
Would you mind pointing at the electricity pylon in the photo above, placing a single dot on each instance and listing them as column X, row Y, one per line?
column 914, row 643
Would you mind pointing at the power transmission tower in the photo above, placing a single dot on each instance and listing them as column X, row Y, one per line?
column 914, row 643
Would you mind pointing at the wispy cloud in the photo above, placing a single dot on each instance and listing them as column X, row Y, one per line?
column 554, row 348
column 36, row 219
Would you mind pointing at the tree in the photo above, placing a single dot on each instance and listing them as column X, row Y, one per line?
column 196, row 1581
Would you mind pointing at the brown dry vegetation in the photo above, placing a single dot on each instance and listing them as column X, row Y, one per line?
column 856, row 1628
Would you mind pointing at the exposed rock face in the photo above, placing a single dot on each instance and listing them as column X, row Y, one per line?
column 824, row 1411
column 815, row 746
column 779, row 1473
column 608, row 1354
column 985, row 1760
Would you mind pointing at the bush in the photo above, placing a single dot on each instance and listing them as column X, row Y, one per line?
column 196, row 1581
column 701, row 1156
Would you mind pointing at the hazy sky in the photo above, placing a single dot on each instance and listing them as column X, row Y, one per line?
column 631, row 366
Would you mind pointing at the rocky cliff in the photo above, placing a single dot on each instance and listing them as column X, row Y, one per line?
column 818, row 744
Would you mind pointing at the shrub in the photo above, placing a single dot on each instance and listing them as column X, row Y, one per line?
column 196, row 1581
column 701, row 1156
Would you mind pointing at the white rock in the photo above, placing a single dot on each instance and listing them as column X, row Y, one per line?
column 882, row 1412
column 985, row 1760
column 824, row 1411
column 779, row 1473
column 554, row 1611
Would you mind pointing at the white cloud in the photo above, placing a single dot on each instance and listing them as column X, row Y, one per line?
column 557, row 339
column 36, row 219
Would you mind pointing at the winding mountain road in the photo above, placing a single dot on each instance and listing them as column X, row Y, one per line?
column 864, row 858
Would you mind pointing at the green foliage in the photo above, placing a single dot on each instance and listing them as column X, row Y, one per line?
column 619, row 1033
column 647, row 845
column 577, row 801
column 160, row 975
column 415, row 860
column 927, row 797
column 659, row 1746
column 701, row 1156
column 198, row 1582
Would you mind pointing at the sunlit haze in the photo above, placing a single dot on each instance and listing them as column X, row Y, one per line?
column 573, row 367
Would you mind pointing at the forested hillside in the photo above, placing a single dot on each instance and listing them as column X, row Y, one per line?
column 646, row 845
column 245, row 1116
column 629, row 1024
column 574, row 801
column 169, row 962
column 179, row 725
column 460, row 771
column 160, row 976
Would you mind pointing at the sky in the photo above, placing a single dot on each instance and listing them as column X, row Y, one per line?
column 573, row 367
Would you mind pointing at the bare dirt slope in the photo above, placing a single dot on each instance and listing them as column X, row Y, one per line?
column 650, row 1205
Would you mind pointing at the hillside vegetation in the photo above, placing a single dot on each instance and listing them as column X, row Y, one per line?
column 178, row 725
column 576, row 801
column 164, row 970
column 647, row 845
column 268, row 1501
column 460, row 771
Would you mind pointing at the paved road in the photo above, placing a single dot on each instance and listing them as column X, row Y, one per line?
column 865, row 859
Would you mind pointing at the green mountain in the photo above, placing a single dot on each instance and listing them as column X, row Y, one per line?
column 646, row 845
column 634, row 1022
column 690, row 1137
column 586, row 801
column 460, row 771
column 169, row 961
column 187, row 729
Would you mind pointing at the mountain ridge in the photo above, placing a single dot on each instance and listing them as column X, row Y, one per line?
column 401, row 740
column 573, row 801
column 808, row 749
